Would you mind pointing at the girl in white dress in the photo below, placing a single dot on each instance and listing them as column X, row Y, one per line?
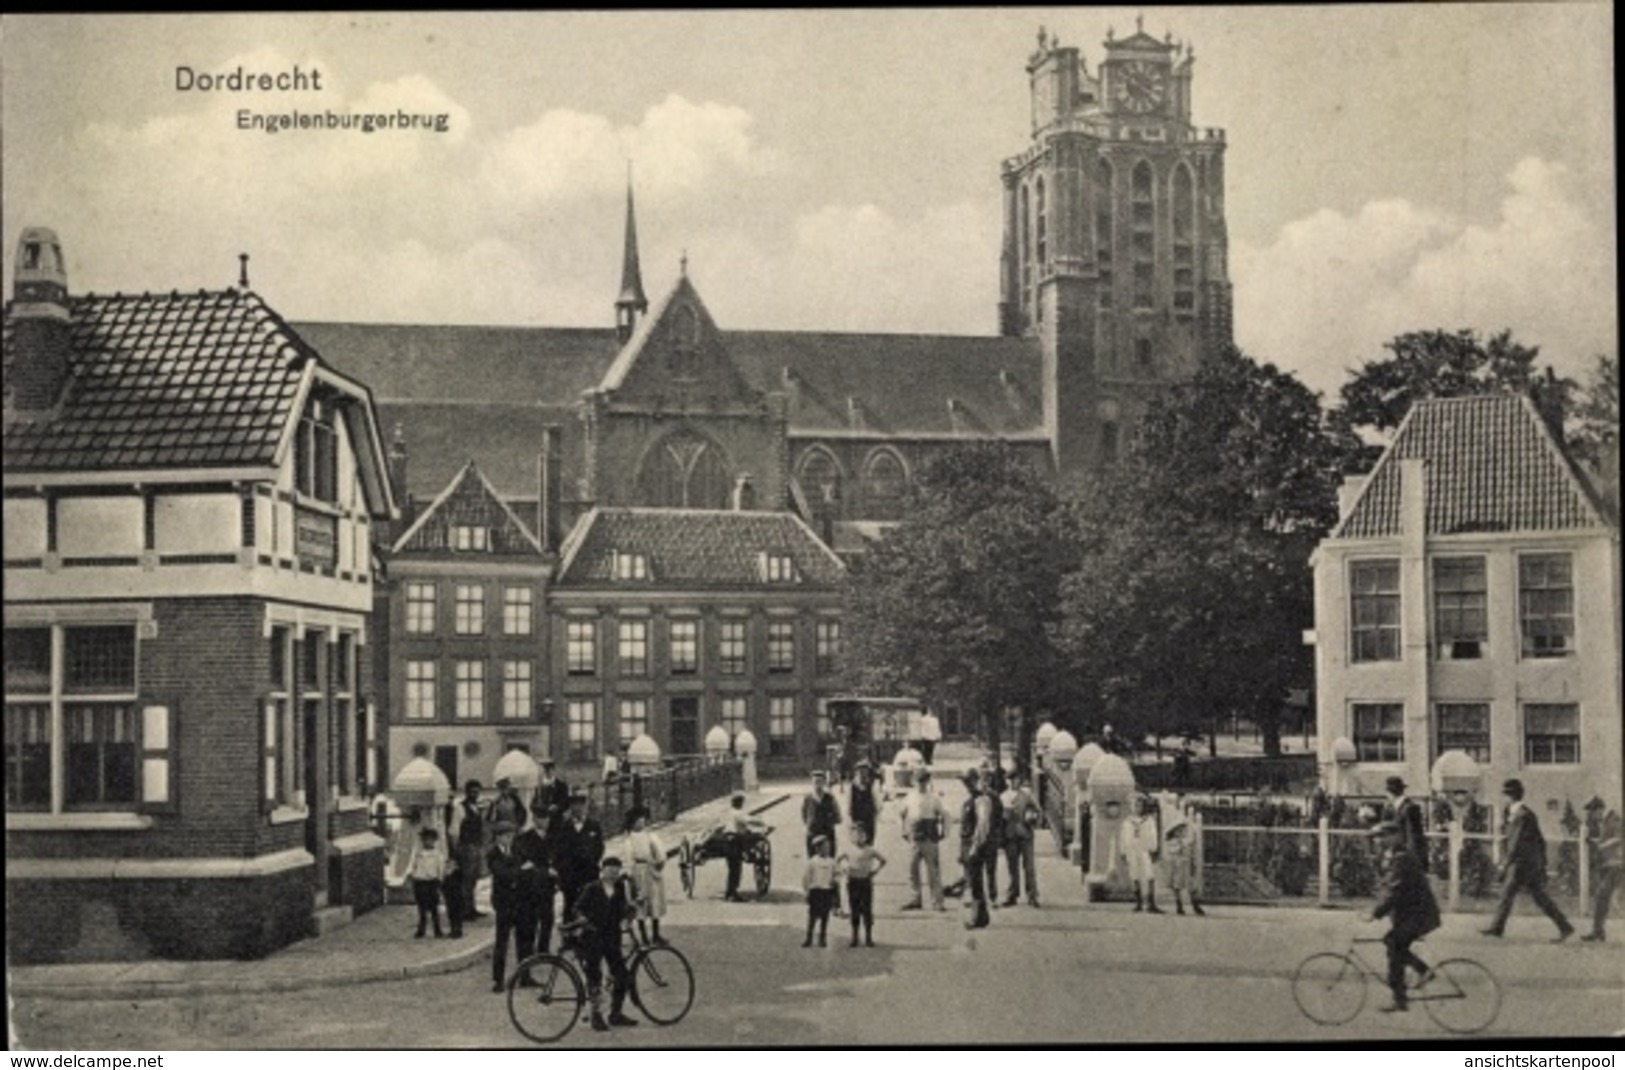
column 647, row 856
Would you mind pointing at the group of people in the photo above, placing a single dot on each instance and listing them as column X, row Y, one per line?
column 997, row 819
column 545, row 854
column 1148, row 845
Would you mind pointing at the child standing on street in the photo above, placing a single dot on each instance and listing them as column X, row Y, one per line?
column 860, row 884
column 451, row 887
column 819, row 882
column 427, row 865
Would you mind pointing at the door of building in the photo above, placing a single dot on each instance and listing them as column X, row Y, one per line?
column 685, row 725
column 446, row 759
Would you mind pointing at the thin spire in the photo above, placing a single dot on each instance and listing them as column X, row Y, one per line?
column 632, row 296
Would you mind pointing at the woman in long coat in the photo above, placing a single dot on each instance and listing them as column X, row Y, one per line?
column 647, row 856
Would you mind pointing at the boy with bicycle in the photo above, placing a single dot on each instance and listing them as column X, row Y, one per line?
column 1409, row 901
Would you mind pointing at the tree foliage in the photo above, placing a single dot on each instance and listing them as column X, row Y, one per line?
column 1192, row 587
column 957, row 604
column 1445, row 364
column 1595, row 434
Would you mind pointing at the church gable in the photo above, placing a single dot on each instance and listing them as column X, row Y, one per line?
column 677, row 361
column 468, row 517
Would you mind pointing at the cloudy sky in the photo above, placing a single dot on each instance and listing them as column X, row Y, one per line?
column 1389, row 168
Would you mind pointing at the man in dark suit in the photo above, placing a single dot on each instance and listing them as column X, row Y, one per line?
column 552, row 791
column 604, row 904
column 1407, row 814
column 578, row 845
column 537, row 883
column 471, row 848
column 1407, row 899
column 1525, row 865
column 504, row 864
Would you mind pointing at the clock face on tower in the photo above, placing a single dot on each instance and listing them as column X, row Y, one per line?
column 1141, row 87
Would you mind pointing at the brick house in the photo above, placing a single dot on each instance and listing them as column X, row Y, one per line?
column 189, row 494
column 1469, row 599
column 673, row 621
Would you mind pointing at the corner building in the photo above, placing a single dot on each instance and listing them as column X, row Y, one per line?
column 189, row 496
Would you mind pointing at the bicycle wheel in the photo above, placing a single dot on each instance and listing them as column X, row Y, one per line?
column 1463, row 996
column 764, row 867
column 1329, row 988
column 545, row 997
column 685, row 866
column 662, row 984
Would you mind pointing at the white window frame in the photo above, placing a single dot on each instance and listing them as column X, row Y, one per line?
column 421, row 696
column 1528, row 756
column 422, row 603
column 468, row 690
column 470, row 609
column 518, row 690
column 518, row 610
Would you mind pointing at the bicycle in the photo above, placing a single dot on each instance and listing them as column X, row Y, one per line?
column 1460, row 995
column 547, row 993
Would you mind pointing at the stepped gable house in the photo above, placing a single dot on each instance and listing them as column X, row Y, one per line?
column 1114, row 283
column 189, row 492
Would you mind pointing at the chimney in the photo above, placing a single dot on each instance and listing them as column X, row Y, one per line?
column 397, row 473
column 42, row 332
column 548, row 463
column 744, row 495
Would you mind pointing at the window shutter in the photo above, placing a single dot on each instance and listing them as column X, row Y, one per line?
column 268, row 750
column 159, row 794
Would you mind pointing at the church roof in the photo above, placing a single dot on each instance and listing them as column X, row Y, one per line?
column 691, row 549
column 487, row 391
column 1491, row 465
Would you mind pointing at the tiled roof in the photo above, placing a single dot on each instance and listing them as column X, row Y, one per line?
column 444, row 385
column 1491, row 465
column 468, row 500
column 165, row 381
column 694, row 549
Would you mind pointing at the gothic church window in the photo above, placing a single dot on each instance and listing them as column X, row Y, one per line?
column 1103, row 229
column 685, row 470
column 1144, row 235
column 820, row 479
column 1184, row 212
column 885, row 482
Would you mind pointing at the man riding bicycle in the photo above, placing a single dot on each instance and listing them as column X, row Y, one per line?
column 596, row 922
column 1409, row 901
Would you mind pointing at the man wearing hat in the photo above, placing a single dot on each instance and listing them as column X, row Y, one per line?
column 538, row 882
column 552, row 791
column 925, row 822
column 975, row 821
column 604, row 905
column 1525, row 865
column 504, row 864
column 1409, row 901
column 861, row 806
column 1407, row 815
column 578, row 847
column 507, row 806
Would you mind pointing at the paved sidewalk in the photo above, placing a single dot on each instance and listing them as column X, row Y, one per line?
column 377, row 946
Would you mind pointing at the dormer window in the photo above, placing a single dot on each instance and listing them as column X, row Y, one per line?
column 316, row 454
column 778, row 568
column 631, row 566
column 470, row 537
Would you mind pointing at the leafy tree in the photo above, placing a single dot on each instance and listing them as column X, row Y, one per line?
column 1444, row 364
column 1192, row 588
column 957, row 603
column 1595, row 436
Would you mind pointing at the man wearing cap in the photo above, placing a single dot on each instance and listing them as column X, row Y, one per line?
column 552, row 791
column 579, row 846
column 504, row 863
column 736, row 828
column 1409, row 901
column 471, row 848
column 507, row 806
column 604, row 905
column 1525, row 865
column 1405, row 813
column 925, row 822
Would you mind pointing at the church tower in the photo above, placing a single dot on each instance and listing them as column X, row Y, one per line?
column 1114, row 254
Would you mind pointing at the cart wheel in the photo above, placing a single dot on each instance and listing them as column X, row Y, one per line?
column 764, row 868
column 685, row 866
